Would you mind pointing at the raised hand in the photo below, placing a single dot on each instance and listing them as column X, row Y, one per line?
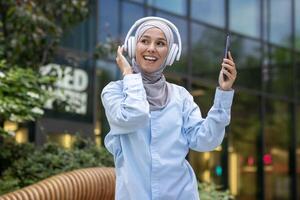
column 122, row 62
column 229, row 70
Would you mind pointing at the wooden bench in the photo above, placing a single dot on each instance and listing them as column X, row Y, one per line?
column 82, row 184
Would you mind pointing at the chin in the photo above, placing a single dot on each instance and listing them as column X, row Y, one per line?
column 150, row 68
column 146, row 69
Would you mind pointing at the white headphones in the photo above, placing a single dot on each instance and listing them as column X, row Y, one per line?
column 130, row 43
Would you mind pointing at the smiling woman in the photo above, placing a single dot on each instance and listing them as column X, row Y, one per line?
column 154, row 123
column 152, row 49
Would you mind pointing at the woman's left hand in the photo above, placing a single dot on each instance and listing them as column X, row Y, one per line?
column 228, row 73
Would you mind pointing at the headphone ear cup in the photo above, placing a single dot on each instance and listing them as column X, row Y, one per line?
column 131, row 47
column 172, row 55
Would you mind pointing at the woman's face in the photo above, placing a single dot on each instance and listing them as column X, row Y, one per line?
column 151, row 50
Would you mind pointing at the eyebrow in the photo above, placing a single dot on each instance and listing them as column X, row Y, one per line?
column 147, row 36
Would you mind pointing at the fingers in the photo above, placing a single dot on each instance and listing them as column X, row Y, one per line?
column 228, row 74
column 227, row 61
column 229, row 65
column 122, row 62
column 229, row 71
column 120, row 51
column 229, row 56
column 230, row 68
column 119, row 57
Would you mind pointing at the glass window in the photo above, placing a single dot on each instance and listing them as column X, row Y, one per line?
column 108, row 18
column 298, row 77
column 247, row 57
column 207, row 51
column 65, row 140
column 298, row 149
column 276, row 156
column 244, row 129
column 207, row 165
column 140, row 1
column 150, row 11
column 245, row 17
column 265, row 21
column 131, row 12
column 102, row 78
column 79, row 37
column 280, row 22
column 297, row 24
column 82, row 36
column 181, row 25
column 280, row 78
column 176, row 6
column 209, row 11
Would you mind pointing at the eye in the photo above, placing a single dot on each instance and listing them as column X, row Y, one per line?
column 144, row 41
column 161, row 43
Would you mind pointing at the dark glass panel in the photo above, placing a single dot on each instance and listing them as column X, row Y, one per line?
column 207, row 165
column 131, row 12
column 207, row 54
column 175, row 6
column 276, row 156
column 297, row 9
column 244, row 129
column 208, row 11
column 82, row 36
column 298, row 77
column 246, row 54
column 298, row 149
column 139, row 1
column 245, row 17
column 280, row 24
column 108, row 19
column 280, row 73
column 207, row 51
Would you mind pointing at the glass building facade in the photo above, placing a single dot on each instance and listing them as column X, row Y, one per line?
column 260, row 155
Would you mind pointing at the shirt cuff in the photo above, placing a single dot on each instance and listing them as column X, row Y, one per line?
column 133, row 84
column 223, row 99
column 132, row 80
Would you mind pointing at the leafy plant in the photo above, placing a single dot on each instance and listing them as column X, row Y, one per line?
column 21, row 95
column 33, row 165
column 30, row 31
column 11, row 151
column 209, row 191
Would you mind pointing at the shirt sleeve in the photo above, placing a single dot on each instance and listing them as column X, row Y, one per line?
column 126, row 104
column 206, row 134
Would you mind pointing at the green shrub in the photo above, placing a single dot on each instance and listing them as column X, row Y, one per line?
column 209, row 191
column 25, row 165
column 10, row 151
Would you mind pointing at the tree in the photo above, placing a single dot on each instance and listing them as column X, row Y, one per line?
column 30, row 30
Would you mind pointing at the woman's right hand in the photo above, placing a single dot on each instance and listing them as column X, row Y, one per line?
column 122, row 62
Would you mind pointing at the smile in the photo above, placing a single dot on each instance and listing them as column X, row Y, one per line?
column 150, row 58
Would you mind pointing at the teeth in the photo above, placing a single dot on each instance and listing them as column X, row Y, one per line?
column 150, row 58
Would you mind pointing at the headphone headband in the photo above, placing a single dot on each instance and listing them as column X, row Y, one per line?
column 172, row 26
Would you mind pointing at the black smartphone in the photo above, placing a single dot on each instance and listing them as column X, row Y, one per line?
column 227, row 45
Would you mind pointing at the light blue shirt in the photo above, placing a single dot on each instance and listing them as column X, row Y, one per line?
column 149, row 147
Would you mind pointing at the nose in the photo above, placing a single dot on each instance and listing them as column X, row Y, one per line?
column 151, row 47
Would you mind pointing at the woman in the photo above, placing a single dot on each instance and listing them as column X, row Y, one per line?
column 154, row 123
